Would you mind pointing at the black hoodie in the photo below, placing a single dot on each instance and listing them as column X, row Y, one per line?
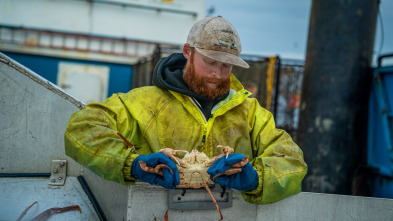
column 168, row 75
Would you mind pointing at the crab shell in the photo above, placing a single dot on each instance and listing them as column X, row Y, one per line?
column 193, row 170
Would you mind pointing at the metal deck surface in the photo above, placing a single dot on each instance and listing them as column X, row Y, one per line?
column 18, row 193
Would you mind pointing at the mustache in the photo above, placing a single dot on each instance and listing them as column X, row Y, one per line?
column 213, row 80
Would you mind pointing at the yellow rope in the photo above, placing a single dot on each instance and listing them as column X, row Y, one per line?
column 270, row 80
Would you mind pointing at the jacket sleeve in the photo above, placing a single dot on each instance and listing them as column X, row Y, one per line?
column 91, row 139
column 278, row 160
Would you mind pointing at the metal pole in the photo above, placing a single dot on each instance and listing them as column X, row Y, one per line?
column 337, row 77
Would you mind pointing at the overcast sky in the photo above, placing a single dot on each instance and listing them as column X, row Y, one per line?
column 268, row 27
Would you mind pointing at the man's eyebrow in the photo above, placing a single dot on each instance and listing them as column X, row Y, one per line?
column 208, row 59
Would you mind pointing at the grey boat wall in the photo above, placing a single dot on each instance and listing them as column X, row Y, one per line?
column 34, row 114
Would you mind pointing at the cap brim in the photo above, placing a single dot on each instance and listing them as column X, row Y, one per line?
column 224, row 57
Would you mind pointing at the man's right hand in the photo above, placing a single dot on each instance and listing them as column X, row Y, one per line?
column 246, row 180
column 168, row 180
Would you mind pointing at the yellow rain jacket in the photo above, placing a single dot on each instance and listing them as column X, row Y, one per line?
column 152, row 118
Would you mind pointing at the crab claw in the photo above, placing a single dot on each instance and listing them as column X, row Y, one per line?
column 177, row 161
column 226, row 150
column 174, row 153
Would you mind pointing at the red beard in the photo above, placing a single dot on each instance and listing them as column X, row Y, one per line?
column 197, row 84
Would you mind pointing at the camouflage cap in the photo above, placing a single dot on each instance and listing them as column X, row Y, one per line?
column 216, row 38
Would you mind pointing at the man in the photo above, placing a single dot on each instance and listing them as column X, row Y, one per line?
column 196, row 103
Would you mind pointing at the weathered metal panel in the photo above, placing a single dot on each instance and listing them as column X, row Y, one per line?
column 318, row 206
column 111, row 196
column 302, row 206
column 147, row 202
column 18, row 193
column 34, row 114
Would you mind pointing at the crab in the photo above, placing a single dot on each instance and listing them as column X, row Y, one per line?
column 193, row 167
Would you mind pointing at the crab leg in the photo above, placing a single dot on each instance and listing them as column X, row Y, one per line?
column 25, row 211
column 226, row 152
column 214, row 200
column 157, row 169
column 236, row 168
column 45, row 215
column 241, row 163
column 165, row 216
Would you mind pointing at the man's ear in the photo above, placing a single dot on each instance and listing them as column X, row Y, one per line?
column 187, row 51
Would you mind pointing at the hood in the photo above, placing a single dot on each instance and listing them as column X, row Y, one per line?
column 168, row 74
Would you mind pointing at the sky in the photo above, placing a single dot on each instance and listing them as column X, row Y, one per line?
column 280, row 27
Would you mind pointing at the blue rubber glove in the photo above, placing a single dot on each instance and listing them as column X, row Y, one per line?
column 246, row 180
column 169, row 180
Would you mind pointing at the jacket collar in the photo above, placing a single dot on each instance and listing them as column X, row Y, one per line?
column 236, row 98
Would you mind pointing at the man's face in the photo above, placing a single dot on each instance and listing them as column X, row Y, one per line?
column 207, row 77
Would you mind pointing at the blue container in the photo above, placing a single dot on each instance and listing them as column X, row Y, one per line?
column 120, row 75
column 380, row 132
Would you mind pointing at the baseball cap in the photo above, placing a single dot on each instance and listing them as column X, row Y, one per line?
column 216, row 38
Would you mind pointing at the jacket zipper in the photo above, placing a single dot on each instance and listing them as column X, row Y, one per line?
column 199, row 108
column 203, row 116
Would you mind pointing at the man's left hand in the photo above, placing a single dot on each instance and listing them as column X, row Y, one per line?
column 246, row 180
